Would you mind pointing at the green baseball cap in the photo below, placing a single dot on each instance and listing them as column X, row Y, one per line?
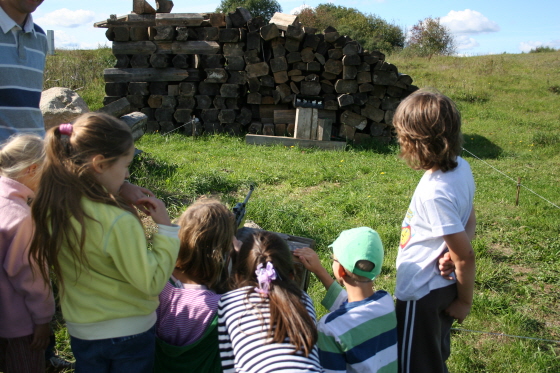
column 358, row 244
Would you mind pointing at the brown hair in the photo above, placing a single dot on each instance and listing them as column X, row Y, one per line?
column 289, row 317
column 19, row 152
column 428, row 126
column 206, row 235
column 66, row 179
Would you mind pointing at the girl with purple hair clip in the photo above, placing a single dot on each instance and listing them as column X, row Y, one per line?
column 268, row 323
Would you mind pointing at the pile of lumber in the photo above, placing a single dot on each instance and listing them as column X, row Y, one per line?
column 212, row 72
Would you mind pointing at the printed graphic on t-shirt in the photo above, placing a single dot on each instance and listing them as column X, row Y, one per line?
column 406, row 231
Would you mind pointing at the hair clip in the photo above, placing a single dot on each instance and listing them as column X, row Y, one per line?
column 65, row 129
column 264, row 277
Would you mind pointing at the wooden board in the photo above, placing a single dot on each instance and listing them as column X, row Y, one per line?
column 290, row 141
column 179, row 19
column 145, row 75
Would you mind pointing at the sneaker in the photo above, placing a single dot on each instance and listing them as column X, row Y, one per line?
column 56, row 364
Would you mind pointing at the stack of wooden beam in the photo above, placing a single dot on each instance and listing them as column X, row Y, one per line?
column 236, row 74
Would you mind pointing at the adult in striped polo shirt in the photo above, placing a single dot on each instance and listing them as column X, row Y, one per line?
column 360, row 332
column 23, row 49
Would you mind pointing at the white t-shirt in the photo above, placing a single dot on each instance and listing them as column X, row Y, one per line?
column 441, row 205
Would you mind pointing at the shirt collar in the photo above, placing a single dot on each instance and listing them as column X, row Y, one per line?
column 7, row 24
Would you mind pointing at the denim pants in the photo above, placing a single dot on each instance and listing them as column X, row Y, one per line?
column 132, row 353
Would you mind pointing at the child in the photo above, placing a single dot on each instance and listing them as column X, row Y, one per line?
column 360, row 332
column 187, row 316
column 26, row 302
column 268, row 323
column 440, row 217
column 95, row 244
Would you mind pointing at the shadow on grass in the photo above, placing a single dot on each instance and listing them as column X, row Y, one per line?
column 481, row 147
column 377, row 146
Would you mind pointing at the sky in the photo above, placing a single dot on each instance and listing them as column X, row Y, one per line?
column 480, row 27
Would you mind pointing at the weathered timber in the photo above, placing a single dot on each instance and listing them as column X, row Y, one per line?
column 333, row 66
column 141, row 20
column 139, row 34
column 142, row 7
column 278, row 64
column 310, row 88
column 179, row 19
column 164, row 6
column 117, row 108
column 233, row 49
column 377, row 129
column 203, row 101
column 324, row 129
column 116, row 89
column 235, row 63
column 134, row 47
column 138, row 88
column 304, row 116
column 144, row 75
column 216, row 76
column 217, row 19
column 160, row 60
column 351, row 60
column 226, row 116
column 182, row 115
column 123, row 61
column 346, row 86
column 349, row 72
column 281, row 77
column 269, row 32
column 282, row 20
column 256, row 70
column 229, row 90
column 164, row 33
column 268, row 129
column 239, row 17
column 154, row 101
column 180, row 61
column 228, row 35
column 195, row 47
column 352, row 119
column 345, row 100
column 255, row 139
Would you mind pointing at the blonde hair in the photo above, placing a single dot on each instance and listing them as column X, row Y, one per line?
column 428, row 127
column 66, row 179
column 206, row 235
column 19, row 152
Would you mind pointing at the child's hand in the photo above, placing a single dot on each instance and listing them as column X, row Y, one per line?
column 458, row 310
column 41, row 336
column 446, row 265
column 133, row 193
column 309, row 258
column 156, row 209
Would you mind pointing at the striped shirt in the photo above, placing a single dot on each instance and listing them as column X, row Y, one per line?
column 243, row 343
column 358, row 336
column 22, row 62
column 185, row 312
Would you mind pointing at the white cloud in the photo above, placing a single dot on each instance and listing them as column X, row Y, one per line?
column 464, row 42
column 66, row 18
column 468, row 22
column 299, row 9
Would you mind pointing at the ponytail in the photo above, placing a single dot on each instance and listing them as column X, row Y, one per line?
column 66, row 179
column 289, row 317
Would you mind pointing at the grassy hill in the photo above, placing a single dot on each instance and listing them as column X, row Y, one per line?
column 510, row 106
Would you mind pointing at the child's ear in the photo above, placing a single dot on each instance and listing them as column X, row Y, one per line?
column 97, row 163
column 341, row 271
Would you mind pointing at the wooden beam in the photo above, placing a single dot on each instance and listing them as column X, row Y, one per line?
column 179, row 19
column 145, row 75
column 290, row 141
column 142, row 7
column 195, row 47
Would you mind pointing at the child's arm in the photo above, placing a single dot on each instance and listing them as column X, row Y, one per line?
column 462, row 254
column 311, row 262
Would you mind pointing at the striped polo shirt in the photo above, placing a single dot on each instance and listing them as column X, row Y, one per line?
column 358, row 336
column 22, row 62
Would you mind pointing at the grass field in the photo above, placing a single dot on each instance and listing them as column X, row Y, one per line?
column 511, row 122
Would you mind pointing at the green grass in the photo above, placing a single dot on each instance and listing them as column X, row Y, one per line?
column 512, row 125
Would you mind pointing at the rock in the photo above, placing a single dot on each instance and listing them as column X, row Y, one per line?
column 61, row 105
column 137, row 123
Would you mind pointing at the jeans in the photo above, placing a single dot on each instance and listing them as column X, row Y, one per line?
column 132, row 353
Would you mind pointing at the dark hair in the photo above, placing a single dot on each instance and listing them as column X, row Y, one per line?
column 289, row 317
column 206, row 236
column 66, row 179
column 428, row 127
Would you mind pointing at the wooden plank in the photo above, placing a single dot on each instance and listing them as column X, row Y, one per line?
column 282, row 20
column 134, row 47
column 284, row 116
column 324, row 129
column 314, row 123
column 142, row 7
column 144, row 20
column 144, row 75
column 195, row 47
column 179, row 19
column 290, row 141
column 303, row 123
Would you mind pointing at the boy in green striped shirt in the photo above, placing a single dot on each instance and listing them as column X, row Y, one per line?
column 360, row 332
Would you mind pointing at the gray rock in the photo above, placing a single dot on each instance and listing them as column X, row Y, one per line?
column 61, row 105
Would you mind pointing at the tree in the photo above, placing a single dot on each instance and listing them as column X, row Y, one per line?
column 263, row 8
column 371, row 31
column 429, row 37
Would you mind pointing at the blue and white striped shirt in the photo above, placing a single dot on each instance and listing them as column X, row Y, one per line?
column 22, row 62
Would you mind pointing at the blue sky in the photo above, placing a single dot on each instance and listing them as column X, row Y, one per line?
column 480, row 27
